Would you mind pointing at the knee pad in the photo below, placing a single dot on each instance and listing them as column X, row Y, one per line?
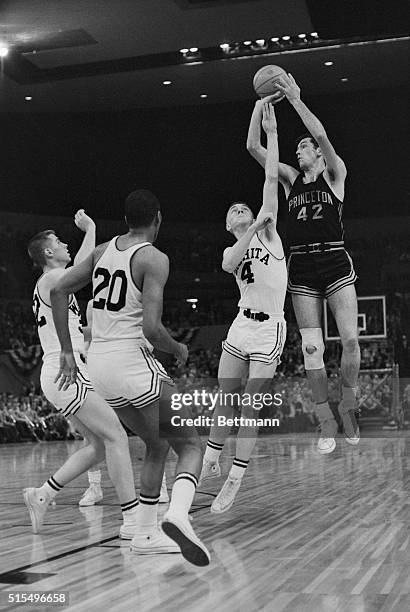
column 312, row 348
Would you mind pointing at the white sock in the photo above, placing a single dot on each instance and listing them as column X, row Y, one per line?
column 183, row 493
column 147, row 514
column 213, row 451
column 238, row 468
column 94, row 477
column 129, row 512
column 50, row 488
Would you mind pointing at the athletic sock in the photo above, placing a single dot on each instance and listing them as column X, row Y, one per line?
column 50, row 488
column 147, row 513
column 238, row 468
column 183, row 493
column 129, row 511
column 94, row 477
column 213, row 451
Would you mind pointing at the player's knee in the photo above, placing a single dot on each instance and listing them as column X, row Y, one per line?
column 350, row 345
column 99, row 448
column 313, row 348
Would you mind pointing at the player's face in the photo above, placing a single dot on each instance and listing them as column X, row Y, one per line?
column 306, row 154
column 59, row 248
column 239, row 215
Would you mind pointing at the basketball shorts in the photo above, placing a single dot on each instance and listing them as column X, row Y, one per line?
column 132, row 376
column 320, row 274
column 260, row 341
column 67, row 402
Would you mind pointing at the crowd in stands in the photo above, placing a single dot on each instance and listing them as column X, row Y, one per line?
column 29, row 417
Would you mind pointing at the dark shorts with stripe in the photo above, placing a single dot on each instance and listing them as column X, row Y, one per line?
column 320, row 274
column 132, row 376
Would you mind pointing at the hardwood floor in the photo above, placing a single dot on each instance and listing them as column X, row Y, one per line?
column 307, row 533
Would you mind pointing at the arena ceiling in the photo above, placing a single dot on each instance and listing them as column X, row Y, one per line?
column 91, row 55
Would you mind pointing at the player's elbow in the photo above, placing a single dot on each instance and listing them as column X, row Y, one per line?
column 321, row 136
column 252, row 147
column 227, row 266
column 271, row 177
column 150, row 331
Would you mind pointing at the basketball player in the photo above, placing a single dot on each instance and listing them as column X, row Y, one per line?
column 129, row 275
column 90, row 414
column 94, row 493
column 319, row 265
column 255, row 339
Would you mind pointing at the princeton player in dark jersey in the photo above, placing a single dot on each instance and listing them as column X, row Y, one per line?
column 319, row 265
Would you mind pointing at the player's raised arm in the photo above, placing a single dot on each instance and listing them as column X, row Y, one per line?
column 334, row 164
column 270, row 187
column 287, row 174
column 154, row 266
column 87, row 225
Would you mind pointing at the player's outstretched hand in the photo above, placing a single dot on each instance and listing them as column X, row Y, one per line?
column 83, row 221
column 273, row 98
column 181, row 354
column 262, row 220
column 269, row 118
column 67, row 373
column 288, row 86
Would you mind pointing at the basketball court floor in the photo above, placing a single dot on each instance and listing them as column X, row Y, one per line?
column 307, row 533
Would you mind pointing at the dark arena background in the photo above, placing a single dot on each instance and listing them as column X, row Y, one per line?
column 101, row 97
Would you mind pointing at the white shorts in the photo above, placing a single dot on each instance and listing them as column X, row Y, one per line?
column 251, row 340
column 132, row 376
column 69, row 401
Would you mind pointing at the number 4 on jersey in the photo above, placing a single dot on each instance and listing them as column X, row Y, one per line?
column 247, row 274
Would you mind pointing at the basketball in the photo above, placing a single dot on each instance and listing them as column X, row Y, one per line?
column 265, row 79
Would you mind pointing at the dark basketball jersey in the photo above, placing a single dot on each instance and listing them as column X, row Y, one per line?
column 314, row 213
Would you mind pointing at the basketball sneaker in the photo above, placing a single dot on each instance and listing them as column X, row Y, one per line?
column 37, row 504
column 91, row 496
column 153, row 544
column 350, row 425
column 226, row 496
column 179, row 529
column 209, row 470
column 163, row 496
column 327, row 442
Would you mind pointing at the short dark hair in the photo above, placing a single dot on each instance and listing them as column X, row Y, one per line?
column 239, row 202
column 141, row 206
column 309, row 136
column 37, row 245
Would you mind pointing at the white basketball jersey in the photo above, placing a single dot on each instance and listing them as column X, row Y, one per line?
column 46, row 329
column 262, row 275
column 117, row 301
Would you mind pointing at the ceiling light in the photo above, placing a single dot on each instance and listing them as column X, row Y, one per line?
column 314, row 35
column 301, row 35
column 192, row 300
column 224, row 46
column 275, row 39
column 204, row 95
column 193, row 49
column 344, row 79
column 183, row 51
column 3, row 51
column 166, row 82
column 247, row 42
column 260, row 41
column 285, row 37
column 328, row 63
column 28, row 98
